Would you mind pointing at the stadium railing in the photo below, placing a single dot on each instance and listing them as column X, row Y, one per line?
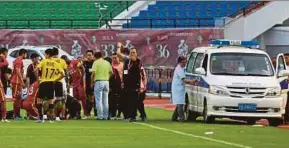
column 94, row 23
column 170, row 23
column 159, row 80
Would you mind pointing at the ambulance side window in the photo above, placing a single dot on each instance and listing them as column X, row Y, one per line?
column 205, row 62
column 198, row 62
column 191, row 62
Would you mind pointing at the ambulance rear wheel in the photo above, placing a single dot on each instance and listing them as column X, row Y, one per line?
column 275, row 121
column 206, row 117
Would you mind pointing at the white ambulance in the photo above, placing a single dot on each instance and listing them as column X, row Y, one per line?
column 236, row 80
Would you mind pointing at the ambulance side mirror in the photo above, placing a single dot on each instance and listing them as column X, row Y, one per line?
column 283, row 73
column 200, row 71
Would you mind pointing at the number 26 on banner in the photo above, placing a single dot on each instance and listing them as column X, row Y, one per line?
column 163, row 51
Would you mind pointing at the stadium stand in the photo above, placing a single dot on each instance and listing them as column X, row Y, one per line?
column 185, row 14
column 58, row 14
column 85, row 15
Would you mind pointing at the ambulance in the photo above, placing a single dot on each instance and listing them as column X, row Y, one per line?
column 237, row 80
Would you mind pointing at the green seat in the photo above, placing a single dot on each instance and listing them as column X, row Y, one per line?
column 2, row 24
column 56, row 10
column 61, row 23
column 39, row 23
column 39, row 27
column 79, row 24
column 18, row 24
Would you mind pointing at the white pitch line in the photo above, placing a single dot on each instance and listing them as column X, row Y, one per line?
column 195, row 136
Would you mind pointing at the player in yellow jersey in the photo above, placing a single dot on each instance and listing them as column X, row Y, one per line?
column 51, row 72
column 59, row 86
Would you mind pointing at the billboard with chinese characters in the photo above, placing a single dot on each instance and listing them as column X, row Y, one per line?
column 155, row 47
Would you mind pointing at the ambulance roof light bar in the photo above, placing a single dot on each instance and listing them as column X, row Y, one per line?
column 221, row 43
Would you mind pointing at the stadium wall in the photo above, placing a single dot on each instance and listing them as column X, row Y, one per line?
column 155, row 47
column 256, row 23
column 275, row 41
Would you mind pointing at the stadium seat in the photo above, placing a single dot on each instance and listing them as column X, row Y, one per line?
column 204, row 11
column 58, row 12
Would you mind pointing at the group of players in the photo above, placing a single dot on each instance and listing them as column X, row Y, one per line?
column 50, row 86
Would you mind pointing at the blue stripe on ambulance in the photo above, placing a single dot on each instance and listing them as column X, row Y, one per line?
column 284, row 84
column 201, row 83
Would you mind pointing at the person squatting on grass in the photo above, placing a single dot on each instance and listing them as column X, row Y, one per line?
column 178, row 89
column 3, row 63
column 17, row 82
column 76, row 71
column 30, row 75
column 101, row 71
column 29, row 103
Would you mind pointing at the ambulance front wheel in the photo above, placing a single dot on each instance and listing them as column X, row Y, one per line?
column 206, row 118
column 191, row 115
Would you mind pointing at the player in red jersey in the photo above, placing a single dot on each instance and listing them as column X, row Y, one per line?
column 3, row 63
column 77, row 77
column 17, row 82
column 29, row 103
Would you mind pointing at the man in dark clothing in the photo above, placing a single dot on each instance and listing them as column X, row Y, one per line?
column 87, row 63
column 142, row 95
column 3, row 65
column 5, row 77
column 114, row 93
column 5, row 72
column 30, row 74
column 123, row 56
column 132, row 81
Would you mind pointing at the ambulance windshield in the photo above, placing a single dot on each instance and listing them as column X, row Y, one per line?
column 241, row 64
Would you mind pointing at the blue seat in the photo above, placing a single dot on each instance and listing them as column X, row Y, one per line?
column 171, row 13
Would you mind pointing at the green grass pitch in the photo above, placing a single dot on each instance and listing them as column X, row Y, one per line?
column 93, row 133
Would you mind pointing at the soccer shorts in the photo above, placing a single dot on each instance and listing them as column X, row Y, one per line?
column 58, row 89
column 46, row 90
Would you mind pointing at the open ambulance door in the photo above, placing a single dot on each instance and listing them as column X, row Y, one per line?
column 282, row 76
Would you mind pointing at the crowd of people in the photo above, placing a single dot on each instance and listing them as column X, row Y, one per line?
column 113, row 87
